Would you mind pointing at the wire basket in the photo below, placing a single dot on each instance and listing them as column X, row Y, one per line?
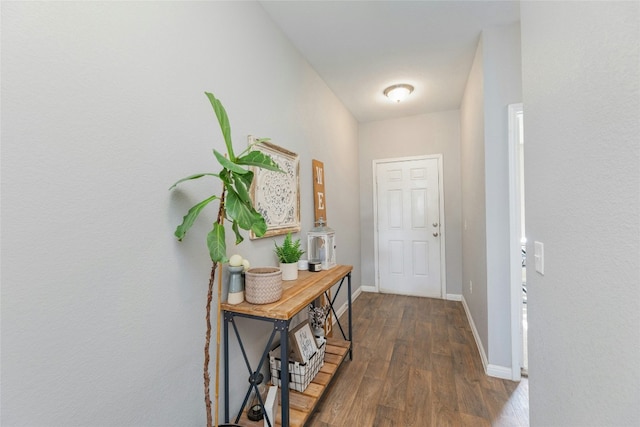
column 300, row 374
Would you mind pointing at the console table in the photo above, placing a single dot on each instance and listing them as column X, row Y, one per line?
column 295, row 407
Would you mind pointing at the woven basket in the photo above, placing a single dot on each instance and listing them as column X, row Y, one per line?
column 263, row 285
column 300, row 374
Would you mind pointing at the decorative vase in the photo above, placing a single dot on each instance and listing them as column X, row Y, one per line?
column 236, row 288
column 289, row 270
column 317, row 318
column 263, row 285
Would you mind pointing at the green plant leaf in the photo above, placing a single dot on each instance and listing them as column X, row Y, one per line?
column 255, row 142
column 216, row 243
column 236, row 230
column 196, row 176
column 227, row 164
column 259, row 159
column 191, row 216
column 259, row 226
column 238, row 210
column 242, row 184
column 225, row 176
column 223, row 120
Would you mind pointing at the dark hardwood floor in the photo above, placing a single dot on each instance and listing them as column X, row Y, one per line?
column 415, row 363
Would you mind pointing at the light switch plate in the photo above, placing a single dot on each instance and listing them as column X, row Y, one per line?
column 538, row 256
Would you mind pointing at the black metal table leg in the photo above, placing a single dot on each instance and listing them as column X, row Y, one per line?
column 255, row 377
column 331, row 305
column 284, row 372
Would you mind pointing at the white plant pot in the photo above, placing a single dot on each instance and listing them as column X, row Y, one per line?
column 289, row 271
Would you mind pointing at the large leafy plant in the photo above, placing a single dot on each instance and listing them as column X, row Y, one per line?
column 236, row 179
column 235, row 205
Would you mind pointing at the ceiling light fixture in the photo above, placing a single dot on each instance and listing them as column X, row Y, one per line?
column 398, row 92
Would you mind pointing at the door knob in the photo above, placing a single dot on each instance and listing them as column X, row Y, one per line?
column 435, row 234
column 435, row 224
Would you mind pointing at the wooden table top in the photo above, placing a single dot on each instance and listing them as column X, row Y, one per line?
column 296, row 294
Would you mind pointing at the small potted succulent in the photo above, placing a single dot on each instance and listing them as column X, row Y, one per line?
column 288, row 255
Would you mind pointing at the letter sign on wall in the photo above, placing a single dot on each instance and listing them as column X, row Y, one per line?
column 319, row 198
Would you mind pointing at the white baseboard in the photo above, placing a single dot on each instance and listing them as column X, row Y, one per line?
column 454, row 297
column 369, row 289
column 476, row 336
column 496, row 371
column 343, row 308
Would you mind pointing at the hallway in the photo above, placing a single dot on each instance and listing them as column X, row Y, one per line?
column 415, row 363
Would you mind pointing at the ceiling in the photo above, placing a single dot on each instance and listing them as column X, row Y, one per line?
column 361, row 47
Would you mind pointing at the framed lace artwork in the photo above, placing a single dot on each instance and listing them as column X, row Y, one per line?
column 276, row 195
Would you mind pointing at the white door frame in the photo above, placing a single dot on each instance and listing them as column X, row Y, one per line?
column 515, row 256
column 443, row 264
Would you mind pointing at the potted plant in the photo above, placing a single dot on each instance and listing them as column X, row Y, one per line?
column 234, row 204
column 289, row 254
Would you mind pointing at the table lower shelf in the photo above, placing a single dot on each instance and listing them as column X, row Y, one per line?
column 302, row 404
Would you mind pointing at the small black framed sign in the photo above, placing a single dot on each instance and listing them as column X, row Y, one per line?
column 303, row 342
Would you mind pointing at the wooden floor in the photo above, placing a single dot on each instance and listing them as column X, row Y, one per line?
column 415, row 363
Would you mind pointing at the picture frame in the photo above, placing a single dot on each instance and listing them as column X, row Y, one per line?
column 276, row 195
column 303, row 343
column 271, row 406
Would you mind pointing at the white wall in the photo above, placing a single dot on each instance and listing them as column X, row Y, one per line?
column 494, row 82
column 103, row 109
column 502, row 86
column 582, row 156
column 472, row 172
column 434, row 133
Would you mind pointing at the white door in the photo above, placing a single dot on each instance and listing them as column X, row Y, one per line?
column 409, row 227
column 518, row 240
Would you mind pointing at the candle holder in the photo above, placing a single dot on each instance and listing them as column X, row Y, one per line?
column 321, row 245
column 236, row 287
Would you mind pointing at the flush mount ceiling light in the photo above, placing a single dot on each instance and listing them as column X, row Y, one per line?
column 398, row 92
